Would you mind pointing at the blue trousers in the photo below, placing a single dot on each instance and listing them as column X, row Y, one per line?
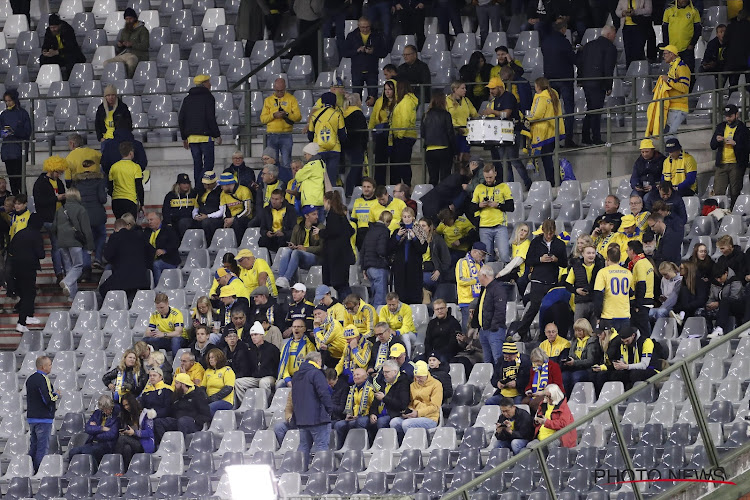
column 282, row 144
column 332, row 159
column 516, row 445
column 381, row 12
column 291, row 260
column 203, row 158
column 167, row 343
column 157, row 267
column 56, row 258
column 314, row 438
column 96, row 450
column 342, row 426
column 496, row 238
column 379, row 281
column 219, row 405
column 38, row 442
column 492, row 344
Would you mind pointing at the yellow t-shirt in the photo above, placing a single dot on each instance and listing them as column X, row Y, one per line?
column 615, row 281
column 488, row 216
column 644, row 271
column 401, row 322
column 458, row 230
column 196, row 139
column 109, row 124
column 250, row 276
column 60, row 45
column 18, row 222
column 579, row 347
column 169, row 323
column 676, row 171
column 236, row 201
column 123, row 175
column 629, row 20
column 681, row 24
column 361, row 211
column 544, row 432
column 727, row 153
column 521, row 250
column 56, row 188
column 460, row 112
column 76, row 158
column 215, row 380
column 395, row 207
column 278, row 217
column 554, row 349
column 270, row 188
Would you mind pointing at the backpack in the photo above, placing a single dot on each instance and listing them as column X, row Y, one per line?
column 566, row 171
column 325, row 136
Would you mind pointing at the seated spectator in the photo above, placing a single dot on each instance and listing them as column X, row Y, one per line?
column 458, row 232
column 157, row 360
column 516, row 269
column 680, row 169
column 703, row 262
column 269, row 309
column 329, row 337
column 476, row 73
column 255, row 272
column 671, row 282
column 299, row 308
column 243, row 174
column 400, row 319
column 509, row 374
column 263, row 364
column 402, row 192
column 724, row 300
column 227, row 276
column 693, row 293
column 126, row 253
column 356, row 355
column 236, row 203
column 166, row 327
column 293, row 353
column 426, row 399
column 647, row 169
column 358, row 401
column 673, row 200
column 440, row 336
column 78, row 154
column 208, row 213
column 189, row 411
column 303, row 248
column 469, row 350
column 202, row 345
column 440, row 372
column 514, row 428
column 238, row 324
column 391, row 398
column 236, row 353
column 312, row 405
column 584, row 354
column 386, row 338
column 126, row 183
column 732, row 256
column 336, row 309
column 407, row 367
column 553, row 414
column 191, row 368
column 218, row 380
column 611, row 208
column 277, row 223
column 157, row 395
column 136, row 430
column 234, row 310
column 128, row 376
column 60, row 46
column 638, row 212
column 555, row 347
column 634, row 358
column 375, row 257
column 505, row 61
column 163, row 244
column 713, row 57
column 360, row 314
column 268, row 183
column 204, row 315
column 132, row 43
column 543, row 373
column 103, row 430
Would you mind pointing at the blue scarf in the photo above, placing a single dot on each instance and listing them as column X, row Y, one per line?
column 302, row 345
column 541, row 377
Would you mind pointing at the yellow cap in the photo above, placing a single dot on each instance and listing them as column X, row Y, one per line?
column 627, row 221
column 244, row 253
column 227, row 291
column 672, row 49
column 397, row 350
column 421, row 369
column 647, row 144
column 201, row 79
column 184, row 378
column 495, row 82
column 221, row 272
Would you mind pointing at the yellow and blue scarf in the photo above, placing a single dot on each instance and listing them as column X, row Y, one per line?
column 541, row 378
column 303, row 347
column 363, row 402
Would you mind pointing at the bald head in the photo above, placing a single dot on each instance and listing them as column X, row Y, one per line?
column 279, row 86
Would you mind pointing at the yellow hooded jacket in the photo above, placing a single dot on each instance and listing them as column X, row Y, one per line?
column 542, row 126
column 427, row 399
column 405, row 117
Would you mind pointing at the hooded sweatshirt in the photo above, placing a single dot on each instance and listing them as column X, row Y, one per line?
column 140, row 38
column 405, row 117
column 15, row 125
column 427, row 398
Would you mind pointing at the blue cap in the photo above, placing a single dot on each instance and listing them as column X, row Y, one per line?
column 308, row 209
column 320, row 292
column 479, row 246
column 226, row 179
column 328, row 99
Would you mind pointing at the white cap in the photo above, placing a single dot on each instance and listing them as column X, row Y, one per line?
column 299, row 287
column 257, row 329
column 311, row 149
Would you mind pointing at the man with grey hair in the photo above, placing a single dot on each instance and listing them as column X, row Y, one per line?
column 597, row 60
column 279, row 114
column 312, row 405
column 489, row 315
column 269, row 182
column 163, row 245
column 391, row 397
column 103, row 429
column 41, row 403
column 78, row 154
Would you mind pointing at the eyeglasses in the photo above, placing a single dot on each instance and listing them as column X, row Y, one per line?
column 409, row 54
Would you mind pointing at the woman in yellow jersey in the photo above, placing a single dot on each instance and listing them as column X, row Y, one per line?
column 585, row 352
column 519, row 247
column 476, row 74
column 544, row 109
column 461, row 109
column 436, row 260
column 218, row 379
column 108, row 112
column 403, row 133
column 551, row 416
column 379, row 120
column 438, row 138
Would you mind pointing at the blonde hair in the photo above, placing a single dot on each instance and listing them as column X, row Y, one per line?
column 408, row 210
column 142, row 349
column 668, row 266
column 210, row 314
column 556, row 395
column 516, row 234
column 354, row 99
column 156, row 359
column 136, row 368
column 73, row 194
column 587, row 242
column 583, row 324
column 386, row 217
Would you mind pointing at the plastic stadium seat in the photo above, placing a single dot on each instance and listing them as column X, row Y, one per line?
column 481, row 374
column 404, row 483
column 81, row 466
column 721, row 411
column 212, row 19
column 18, row 488
column 14, row 25
column 411, row 461
column 48, row 73
column 223, row 238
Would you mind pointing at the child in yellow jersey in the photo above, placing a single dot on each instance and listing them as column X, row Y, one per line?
column 612, row 292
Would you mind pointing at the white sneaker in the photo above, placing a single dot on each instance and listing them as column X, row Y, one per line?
column 282, row 282
column 718, row 332
column 21, row 328
column 516, row 337
column 31, row 320
column 65, row 289
column 677, row 317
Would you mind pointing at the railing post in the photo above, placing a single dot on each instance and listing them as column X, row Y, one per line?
column 623, row 448
column 23, row 171
column 555, row 154
column 633, row 124
column 319, row 35
column 248, row 120
column 32, row 147
column 545, row 473
column 421, row 139
column 744, row 100
column 700, row 417
column 662, row 119
column 609, row 143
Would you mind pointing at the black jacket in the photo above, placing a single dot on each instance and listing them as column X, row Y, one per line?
column 41, row 398
column 127, row 253
column 238, row 360
column 26, row 248
column 339, row 396
column 737, row 40
column 375, row 248
column 506, row 371
column 598, row 58
column 734, row 261
column 361, row 61
column 71, row 51
column 177, row 206
column 45, row 198
column 669, row 247
column 441, row 375
column 741, row 148
column 714, row 56
column 357, row 134
column 93, row 190
column 418, row 73
column 523, row 427
column 647, row 170
column 437, row 129
column 581, row 280
column 442, row 195
column 395, row 339
column 130, row 382
column 300, row 310
column 337, row 250
column 275, row 312
column 546, row 272
column 111, row 150
column 440, row 257
column 440, row 336
column 168, row 241
column 559, row 57
column 264, row 360
column 689, row 302
column 212, row 202
column 194, row 405
column 493, row 306
column 202, row 354
column 397, row 399
column 121, row 111
column 244, row 174
column 198, row 114
column 287, row 222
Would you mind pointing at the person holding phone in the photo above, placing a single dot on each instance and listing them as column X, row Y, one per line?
column 581, row 279
column 585, row 352
column 552, row 415
column 426, row 398
column 514, row 428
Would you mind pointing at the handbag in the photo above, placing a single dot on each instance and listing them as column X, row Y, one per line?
column 77, row 233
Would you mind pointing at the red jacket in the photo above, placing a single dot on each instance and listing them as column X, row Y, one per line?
column 560, row 418
column 554, row 376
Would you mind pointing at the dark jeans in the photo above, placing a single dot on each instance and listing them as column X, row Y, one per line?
column 509, row 153
column 627, row 377
column 24, row 278
column 567, row 94
column 121, row 207
column 186, row 425
column 38, row 442
column 592, row 122
column 640, row 320
column 448, row 12
column 401, row 153
column 412, row 23
column 127, row 446
column 335, row 18
column 537, row 293
column 369, row 80
column 13, row 167
column 439, row 163
column 729, row 307
column 96, row 450
column 383, row 422
column 355, row 159
column 167, row 343
column 548, row 162
column 572, row 377
column 309, row 43
column 203, row 158
column 332, row 159
column 380, row 12
column 381, row 158
column 634, row 40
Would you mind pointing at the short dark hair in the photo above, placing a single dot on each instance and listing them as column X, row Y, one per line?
column 125, row 148
column 331, row 374
column 613, row 253
column 648, row 236
column 380, row 191
column 501, row 47
column 505, row 402
column 665, row 186
column 635, row 246
column 277, row 191
column 390, row 67
column 22, row 198
column 719, row 269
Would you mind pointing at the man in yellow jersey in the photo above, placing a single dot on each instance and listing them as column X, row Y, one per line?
column 329, row 336
column 358, row 401
column 312, row 179
column 360, row 314
column 680, row 168
column 467, row 279
column 400, row 319
column 336, row 309
column 606, row 236
column 237, row 202
column 269, row 182
column 387, row 202
column 731, row 142
column 505, row 61
column 279, row 114
column 328, row 130
column 677, row 80
column 636, row 358
column 78, row 153
column 557, row 348
column 126, row 183
column 493, row 202
column 198, row 127
column 208, row 213
column 255, row 272
column 166, row 327
column 361, row 209
column 190, row 367
column 643, row 288
column 681, row 27
column 629, row 230
column 612, row 292
column 293, row 354
column 277, row 221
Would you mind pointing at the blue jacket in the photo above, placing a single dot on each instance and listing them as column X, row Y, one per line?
column 111, row 151
column 361, row 61
column 94, row 427
column 145, row 432
column 41, row 399
column 647, row 170
column 559, row 58
column 19, row 123
column 311, row 397
column 159, row 400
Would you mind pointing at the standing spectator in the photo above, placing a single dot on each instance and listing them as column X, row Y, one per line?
column 312, row 405
column 111, row 113
column 355, row 147
column 337, row 248
column 15, row 126
column 361, row 209
column 41, row 403
column 24, row 252
column 475, row 73
column 514, row 428
column 178, row 205
column 277, row 223
column 552, row 415
column 636, row 25
column 410, row 14
column 165, row 326
column 731, row 141
column 280, row 113
column 715, row 55
column 681, row 28
column 647, row 169
column 414, row 71
column 542, row 116
column 426, row 398
column 304, row 248
column 387, row 203
column 49, row 195
column 467, row 279
column 677, row 82
column 375, row 257
column 126, row 252
column 737, row 53
column 489, row 313
column 680, row 169
column 612, row 292
column 407, row 246
column 488, row 10
column 60, row 46
column 559, row 64
column 137, row 430
column 597, row 59
column 438, row 138
column 380, row 119
column 581, row 279
column 365, row 47
column 403, row 132
column 643, row 286
column 440, row 336
column 493, row 202
column 208, row 214
column 236, row 201
column 128, row 376
column 78, row 154
column 72, row 231
column 111, row 147
column 198, row 127
column 93, row 188
column 163, row 244
column 243, row 174
column 667, row 238
column 126, row 183
column 670, row 285
column 461, row 110
column 436, row 262
column 312, row 179
column 132, row 42
column 189, row 410
column 328, row 130
column 103, row 430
